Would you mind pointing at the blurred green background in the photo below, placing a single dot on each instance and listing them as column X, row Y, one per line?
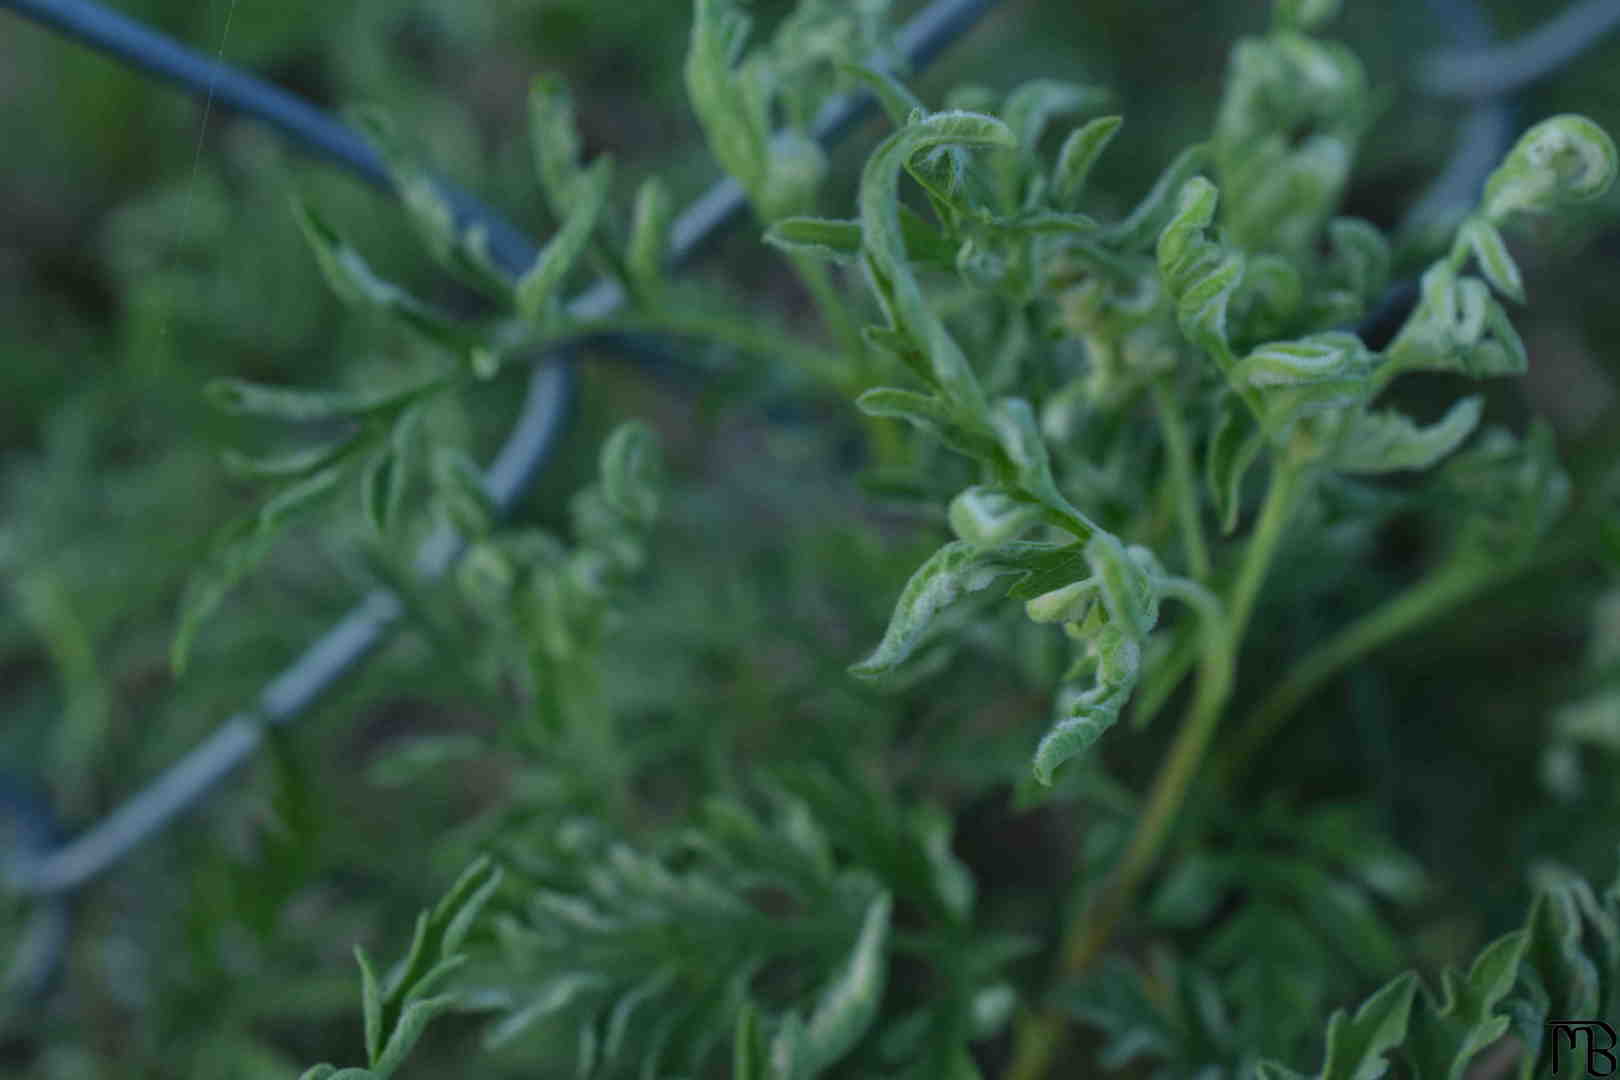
column 141, row 255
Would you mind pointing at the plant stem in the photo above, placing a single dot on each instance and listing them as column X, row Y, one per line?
column 1179, row 449
column 1429, row 599
column 1040, row 1039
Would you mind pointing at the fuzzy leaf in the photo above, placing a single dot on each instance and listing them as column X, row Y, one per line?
column 1485, row 239
column 551, row 265
column 886, row 256
column 554, row 142
column 950, row 572
column 292, row 465
column 733, row 121
column 239, row 397
column 408, row 1031
column 821, row 237
column 357, row 285
column 1361, row 255
column 649, row 235
column 898, row 102
column 1080, row 152
column 928, row 412
column 1233, row 448
column 371, row 1005
column 1070, row 738
column 850, row 1002
column 632, row 468
column 1198, row 273
column 985, row 518
column 1031, row 107
column 1389, row 441
column 1561, row 161
column 1020, row 437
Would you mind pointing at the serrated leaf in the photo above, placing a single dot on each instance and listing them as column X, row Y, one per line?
column 1080, row 152
column 1445, row 1034
column 1389, row 441
column 536, row 287
column 1052, row 569
column 850, row 1002
column 1356, row 1046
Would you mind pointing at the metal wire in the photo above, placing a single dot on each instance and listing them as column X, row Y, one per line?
column 357, row 634
column 1480, row 71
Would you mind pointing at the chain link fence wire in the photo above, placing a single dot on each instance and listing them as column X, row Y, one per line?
column 43, row 867
column 39, row 864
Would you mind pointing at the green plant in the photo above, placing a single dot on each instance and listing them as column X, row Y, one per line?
column 714, row 839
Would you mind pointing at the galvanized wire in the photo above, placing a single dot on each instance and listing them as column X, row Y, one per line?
column 340, row 650
column 1479, row 71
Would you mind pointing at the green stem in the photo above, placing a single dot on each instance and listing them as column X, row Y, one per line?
column 1439, row 593
column 1179, row 449
column 1040, row 1038
column 1287, row 485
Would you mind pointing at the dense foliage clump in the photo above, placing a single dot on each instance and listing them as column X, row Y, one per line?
column 1006, row 755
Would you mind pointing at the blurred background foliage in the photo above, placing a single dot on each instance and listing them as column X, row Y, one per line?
column 141, row 255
